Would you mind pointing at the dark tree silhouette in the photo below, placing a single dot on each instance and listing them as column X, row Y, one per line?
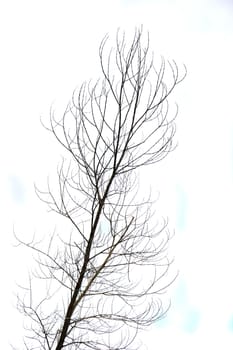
column 99, row 282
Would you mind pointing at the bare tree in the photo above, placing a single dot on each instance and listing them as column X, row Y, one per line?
column 103, row 276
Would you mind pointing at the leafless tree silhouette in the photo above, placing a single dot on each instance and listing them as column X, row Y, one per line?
column 101, row 279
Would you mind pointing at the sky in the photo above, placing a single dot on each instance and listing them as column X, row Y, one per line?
column 50, row 47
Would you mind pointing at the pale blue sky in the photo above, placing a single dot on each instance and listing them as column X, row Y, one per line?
column 47, row 49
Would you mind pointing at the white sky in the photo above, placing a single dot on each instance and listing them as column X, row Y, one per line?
column 48, row 48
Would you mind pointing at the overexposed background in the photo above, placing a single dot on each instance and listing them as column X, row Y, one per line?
column 47, row 49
